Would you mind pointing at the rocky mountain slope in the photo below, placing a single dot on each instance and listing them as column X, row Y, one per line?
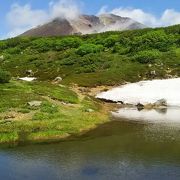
column 84, row 24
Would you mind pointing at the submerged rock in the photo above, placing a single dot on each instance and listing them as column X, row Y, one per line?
column 140, row 106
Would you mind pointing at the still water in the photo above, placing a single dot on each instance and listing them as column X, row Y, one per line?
column 121, row 149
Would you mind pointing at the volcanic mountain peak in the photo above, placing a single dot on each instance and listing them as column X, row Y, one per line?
column 84, row 24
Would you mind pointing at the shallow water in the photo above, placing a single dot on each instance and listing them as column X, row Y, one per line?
column 119, row 149
column 170, row 116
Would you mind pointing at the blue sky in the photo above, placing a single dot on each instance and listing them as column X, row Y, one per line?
column 28, row 13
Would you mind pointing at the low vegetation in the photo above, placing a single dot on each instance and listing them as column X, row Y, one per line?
column 61, row 114
column 4, row 76
column 109, row 58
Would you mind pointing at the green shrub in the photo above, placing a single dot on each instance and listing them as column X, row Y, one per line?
column 43, row 44
column 15, row 50
column 49, row 108
column 111, row 41
column 68, row 42
column 118, row 48
column 4, row 76
column 148, row 56
column 153, row 40
column 89, row 48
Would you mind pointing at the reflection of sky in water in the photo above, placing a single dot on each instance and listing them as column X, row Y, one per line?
column 155, row 115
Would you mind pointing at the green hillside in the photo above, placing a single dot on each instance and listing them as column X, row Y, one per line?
column 65, row 109
column 108, row 58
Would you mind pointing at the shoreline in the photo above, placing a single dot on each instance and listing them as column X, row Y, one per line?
column 81, row 112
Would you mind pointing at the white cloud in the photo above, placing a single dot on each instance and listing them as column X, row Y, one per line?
column 169, row 16
column 21, row 18
column 64, row 8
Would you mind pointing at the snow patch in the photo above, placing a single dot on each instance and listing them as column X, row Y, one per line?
column 29, row 79
column 145, row 92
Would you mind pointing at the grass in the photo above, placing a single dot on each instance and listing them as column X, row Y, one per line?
column 53, row 120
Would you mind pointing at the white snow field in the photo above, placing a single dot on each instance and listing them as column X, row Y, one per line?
column 146, row 92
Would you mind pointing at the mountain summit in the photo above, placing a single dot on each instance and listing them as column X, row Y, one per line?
column 84, row 24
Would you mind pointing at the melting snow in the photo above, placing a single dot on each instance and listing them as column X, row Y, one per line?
column 146, row 92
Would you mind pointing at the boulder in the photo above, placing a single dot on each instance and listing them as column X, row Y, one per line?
column 140, row 106
column 89, row 110
column 58, row 79
column 2, row 57
column 153, row 73
column 161, row 102
column 29, row 72
column 35, row 103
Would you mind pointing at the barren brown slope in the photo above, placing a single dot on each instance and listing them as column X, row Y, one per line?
column 55, row 28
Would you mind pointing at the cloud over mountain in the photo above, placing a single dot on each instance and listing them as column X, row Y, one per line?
column 21, row 18
column 168, row 17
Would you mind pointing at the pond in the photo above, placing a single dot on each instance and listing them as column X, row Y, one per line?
column 120, row 149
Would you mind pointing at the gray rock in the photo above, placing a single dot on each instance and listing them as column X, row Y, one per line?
column 30, row 72
column 58, row 79
column 2, row 57
column 153, row 73
column 35, row 103
column 161, row 102
column 89, row 110
column 140, row 106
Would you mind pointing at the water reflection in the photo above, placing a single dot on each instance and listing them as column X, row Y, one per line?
column 115, row 150
column 166, row 115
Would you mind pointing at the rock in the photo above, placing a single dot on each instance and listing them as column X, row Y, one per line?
column 161, row 102
column 168, row 76
column 29, row 72
column 140, row 106
column 153, row 73
column 89, row 110
column 107, row 100
column 2, row 57
column 35, row 103
column 9, row 117
column 84, row 90
column 58, row 79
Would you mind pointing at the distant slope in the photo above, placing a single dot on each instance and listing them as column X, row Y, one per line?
column 109, row 58
column 84, row 24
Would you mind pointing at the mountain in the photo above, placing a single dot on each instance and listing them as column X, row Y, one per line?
column 84, row 24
